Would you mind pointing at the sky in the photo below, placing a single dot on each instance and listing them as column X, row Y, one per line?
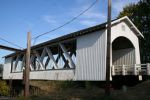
column 38, row 16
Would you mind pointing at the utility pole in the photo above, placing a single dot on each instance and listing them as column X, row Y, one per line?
column 27, row 65
column 108, row 85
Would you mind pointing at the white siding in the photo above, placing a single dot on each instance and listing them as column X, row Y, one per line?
column 45, row 75
column 91, row 56
column 58, row 74
column 38, row 75
column 7, row 68
column 123, row 56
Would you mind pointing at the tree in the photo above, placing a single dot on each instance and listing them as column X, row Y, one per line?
column 4, row 88
column 140, row 15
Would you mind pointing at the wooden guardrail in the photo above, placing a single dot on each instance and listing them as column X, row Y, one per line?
column 136, row 69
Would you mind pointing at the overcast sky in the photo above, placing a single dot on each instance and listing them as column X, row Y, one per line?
column 37, row 16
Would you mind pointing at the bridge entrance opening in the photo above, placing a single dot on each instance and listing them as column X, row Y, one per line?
column 123, row 60
column 123, row 52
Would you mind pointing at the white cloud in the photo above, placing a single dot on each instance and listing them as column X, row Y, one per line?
column 94, row 14
column 49, row 19
column 88, row 22
column 91, row 17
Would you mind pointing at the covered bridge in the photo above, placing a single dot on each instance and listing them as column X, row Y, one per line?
column 82, row 55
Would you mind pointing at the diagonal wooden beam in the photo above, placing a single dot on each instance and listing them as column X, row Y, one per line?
column 39, row 59
column 71, row 63
column 16, row 63
column 23, row 62
column 9, row 48
column 58, row 57
column 46, row 63
column 43, row 55
column 31, row 63
column 65, row 61
column 51, row 57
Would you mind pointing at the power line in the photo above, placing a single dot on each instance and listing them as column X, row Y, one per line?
column 10, row 43
column 35, row 38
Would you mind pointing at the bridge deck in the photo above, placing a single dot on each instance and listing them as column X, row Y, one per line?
column 69, row 74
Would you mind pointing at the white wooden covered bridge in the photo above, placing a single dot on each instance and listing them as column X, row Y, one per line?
column 82, row 55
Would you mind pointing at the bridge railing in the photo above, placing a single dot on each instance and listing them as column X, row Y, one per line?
column 136, row 69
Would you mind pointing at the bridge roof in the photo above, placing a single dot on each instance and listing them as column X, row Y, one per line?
column 83, row 32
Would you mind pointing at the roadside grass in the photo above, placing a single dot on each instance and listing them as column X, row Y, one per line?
column 138, row 92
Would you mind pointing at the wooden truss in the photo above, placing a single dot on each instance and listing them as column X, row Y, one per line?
column 58, row 56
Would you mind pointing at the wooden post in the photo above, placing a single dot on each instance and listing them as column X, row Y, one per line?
column 27, row 66
column 10, row 86
column 108, row 85
column 148, row 68
column 123, row 70
column 113, row 70
column 135, row 69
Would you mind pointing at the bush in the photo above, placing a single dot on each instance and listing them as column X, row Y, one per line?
column 4, row 88
column 61, row 85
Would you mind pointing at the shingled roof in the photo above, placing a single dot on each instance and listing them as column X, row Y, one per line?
column 86, row 31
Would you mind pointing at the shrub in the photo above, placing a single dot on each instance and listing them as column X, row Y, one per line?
column 4, row 88
column 61, row 85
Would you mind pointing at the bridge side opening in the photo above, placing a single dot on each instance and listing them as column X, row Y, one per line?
column 60, row 55
column 123, row 60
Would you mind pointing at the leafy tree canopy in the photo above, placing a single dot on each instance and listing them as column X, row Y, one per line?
column 140, row 15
